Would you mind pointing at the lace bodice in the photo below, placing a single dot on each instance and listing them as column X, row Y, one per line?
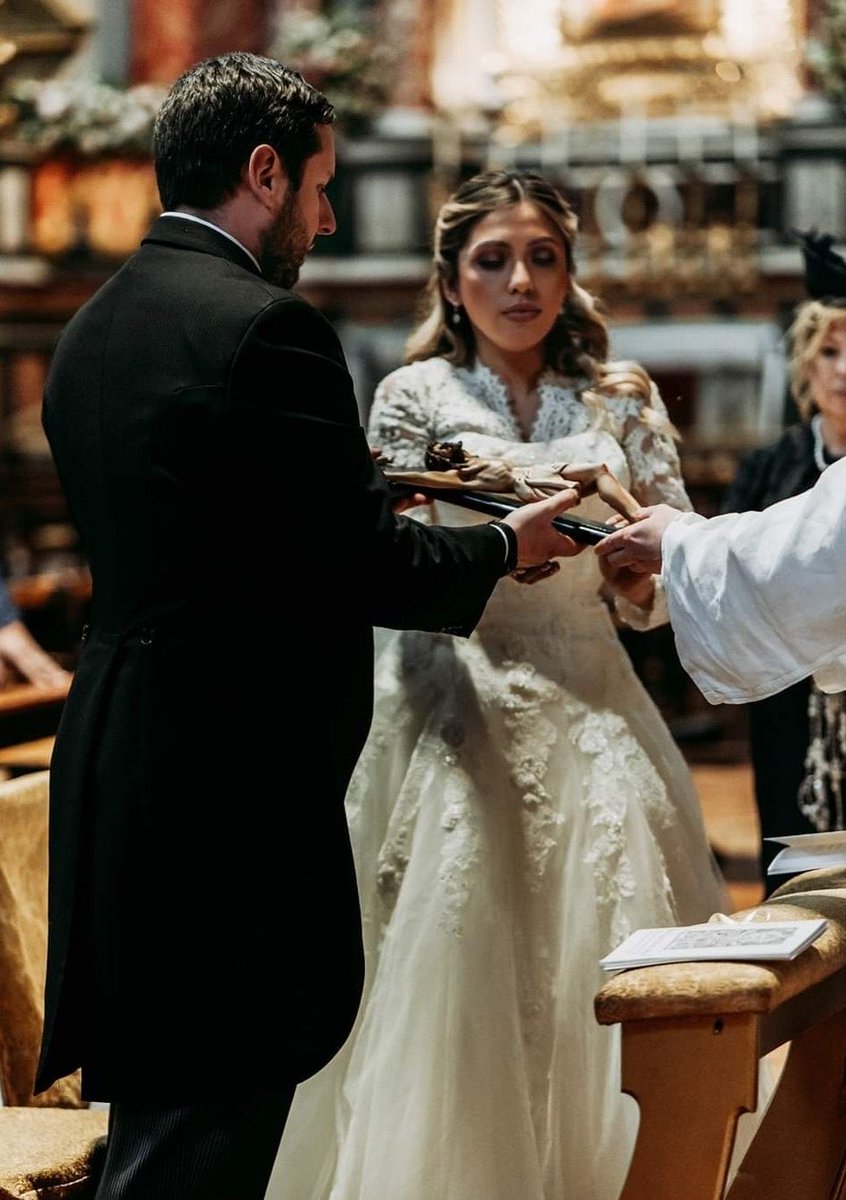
column 433, row 400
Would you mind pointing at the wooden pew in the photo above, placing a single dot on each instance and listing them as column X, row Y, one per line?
column 50, row 1145
column 27, row 756
column 692, row 1037
column 35, row 591
column 28, row 712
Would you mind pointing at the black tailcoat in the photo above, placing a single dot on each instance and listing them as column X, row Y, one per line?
column 204, row 922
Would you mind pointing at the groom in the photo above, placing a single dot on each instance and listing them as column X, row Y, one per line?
column 205, row 950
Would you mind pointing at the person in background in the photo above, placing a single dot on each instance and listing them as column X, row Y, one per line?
column 204, row 951
column 20, row 654
column 520, row 806
column 797, row 737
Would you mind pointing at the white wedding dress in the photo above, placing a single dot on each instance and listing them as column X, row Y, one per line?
column 520, row 807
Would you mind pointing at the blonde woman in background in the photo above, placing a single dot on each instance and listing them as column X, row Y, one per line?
column 520, row 806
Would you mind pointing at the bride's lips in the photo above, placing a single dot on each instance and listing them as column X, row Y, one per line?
column 522, row 312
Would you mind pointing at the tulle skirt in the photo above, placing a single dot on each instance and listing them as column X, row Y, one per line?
column 511, row 824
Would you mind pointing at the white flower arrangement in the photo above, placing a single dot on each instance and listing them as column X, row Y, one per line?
column 87, row 118
column 338, row 55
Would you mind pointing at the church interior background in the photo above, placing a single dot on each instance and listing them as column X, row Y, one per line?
column 694, row 137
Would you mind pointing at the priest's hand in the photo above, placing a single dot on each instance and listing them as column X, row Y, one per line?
column 638, row 546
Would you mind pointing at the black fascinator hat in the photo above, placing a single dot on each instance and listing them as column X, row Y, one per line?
column 825, row 271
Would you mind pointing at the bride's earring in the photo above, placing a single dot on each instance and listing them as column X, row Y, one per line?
column 456, row 314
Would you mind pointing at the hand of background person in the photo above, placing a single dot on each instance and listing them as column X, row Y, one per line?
column 635, row 586
column 21, row 655
column 535, row 574
column 638, row 546
column 537, row 540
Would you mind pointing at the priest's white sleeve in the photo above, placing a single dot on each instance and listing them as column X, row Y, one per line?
column 757, row 600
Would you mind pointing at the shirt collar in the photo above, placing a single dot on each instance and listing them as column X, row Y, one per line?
column 202, row 221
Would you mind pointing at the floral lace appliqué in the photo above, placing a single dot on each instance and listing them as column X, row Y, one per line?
column 460, row 853
column 451, row 790
column 523, row 695
column 620, row 773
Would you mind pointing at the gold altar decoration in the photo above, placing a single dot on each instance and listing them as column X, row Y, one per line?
column 98, row 207
column 540, row 64
column 600, row 17
column 648, row 230
column 621, row 98
column 37, row 35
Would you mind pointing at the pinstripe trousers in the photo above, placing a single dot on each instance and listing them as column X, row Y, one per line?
column 216, row 1151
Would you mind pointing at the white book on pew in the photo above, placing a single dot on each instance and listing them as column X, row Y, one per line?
column 723, row 941
column 808, row 852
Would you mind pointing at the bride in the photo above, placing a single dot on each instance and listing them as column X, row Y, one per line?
column 520, row 806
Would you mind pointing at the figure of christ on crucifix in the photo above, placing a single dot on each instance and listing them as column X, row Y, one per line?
column 450, row 467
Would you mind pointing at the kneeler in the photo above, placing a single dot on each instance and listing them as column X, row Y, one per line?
column 51, row 1145
column 692, row 1038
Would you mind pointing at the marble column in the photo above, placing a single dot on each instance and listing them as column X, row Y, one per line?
column 167, row 38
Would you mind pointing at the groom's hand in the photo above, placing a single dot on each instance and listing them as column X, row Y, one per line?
column 537, row 540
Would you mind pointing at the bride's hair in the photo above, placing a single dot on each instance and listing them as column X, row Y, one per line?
column 577, row 344
column 811, row 326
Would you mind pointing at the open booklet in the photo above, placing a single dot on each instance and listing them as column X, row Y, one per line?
column 808, row 852
column 739, row 941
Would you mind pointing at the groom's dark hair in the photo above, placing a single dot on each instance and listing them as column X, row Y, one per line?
column 215, row 115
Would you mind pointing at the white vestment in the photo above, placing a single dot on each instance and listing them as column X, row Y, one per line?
column 757, row 600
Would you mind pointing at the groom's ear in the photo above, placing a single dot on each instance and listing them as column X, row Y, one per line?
column 266, row 177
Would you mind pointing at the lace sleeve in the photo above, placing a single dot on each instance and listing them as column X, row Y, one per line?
column 650, row 449
column 647, row 440
column 402, row 420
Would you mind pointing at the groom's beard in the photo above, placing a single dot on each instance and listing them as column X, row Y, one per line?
column 284, row 246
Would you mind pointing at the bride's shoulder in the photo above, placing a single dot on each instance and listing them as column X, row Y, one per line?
column 419, row 380
column 424, row 371
column 627, row 391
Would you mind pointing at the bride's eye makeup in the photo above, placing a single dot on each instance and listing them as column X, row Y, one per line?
column 495, row 260
column 490, row 258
